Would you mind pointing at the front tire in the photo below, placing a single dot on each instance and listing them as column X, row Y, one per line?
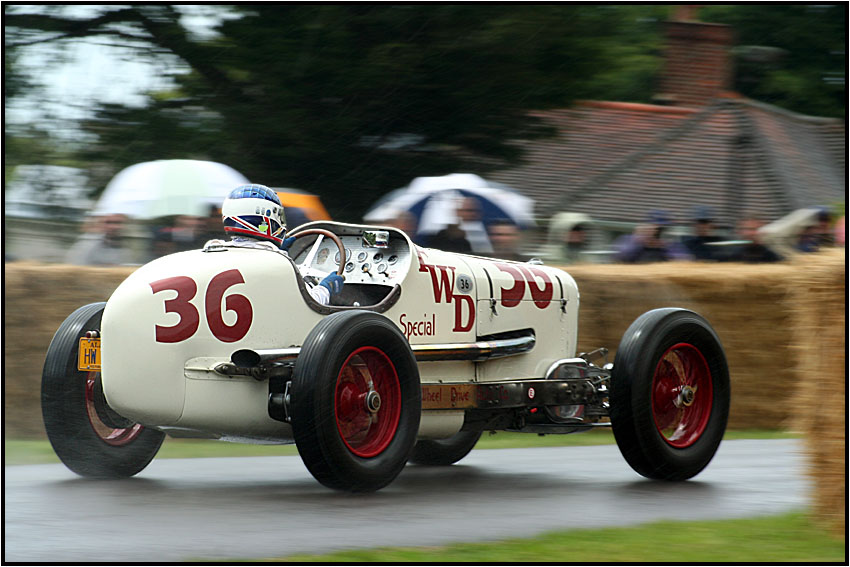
column 88, row 436
column 444, row 452
column 669, row 394
column 355, row 401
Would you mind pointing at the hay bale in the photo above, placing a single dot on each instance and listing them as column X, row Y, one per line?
column 37, row 298
column 744, row 303
column 819, row 329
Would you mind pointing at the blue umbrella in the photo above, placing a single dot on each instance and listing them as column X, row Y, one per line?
column 433, row 202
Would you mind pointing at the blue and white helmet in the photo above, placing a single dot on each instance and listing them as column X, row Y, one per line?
column 254, row 211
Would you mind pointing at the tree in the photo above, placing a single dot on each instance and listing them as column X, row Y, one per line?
column 349, row 100
column 352, row 100
column 790, row 55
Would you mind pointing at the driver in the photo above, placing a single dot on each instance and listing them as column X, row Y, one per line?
column 254, row 218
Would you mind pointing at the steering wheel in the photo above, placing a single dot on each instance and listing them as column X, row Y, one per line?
column 305, row 267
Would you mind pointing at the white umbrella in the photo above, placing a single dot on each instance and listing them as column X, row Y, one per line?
column 433, row 201
column 168, row 187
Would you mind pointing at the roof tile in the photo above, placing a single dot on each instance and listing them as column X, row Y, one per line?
column 618, row 161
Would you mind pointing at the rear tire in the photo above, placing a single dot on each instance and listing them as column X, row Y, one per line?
column 669, row 394
column 88, row 436
column 355, row 401
column 444, row 452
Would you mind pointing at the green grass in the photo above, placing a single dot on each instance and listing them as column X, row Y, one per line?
column 18, row 452
column 777, row 539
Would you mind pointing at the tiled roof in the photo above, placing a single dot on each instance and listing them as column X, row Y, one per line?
column 619, row 161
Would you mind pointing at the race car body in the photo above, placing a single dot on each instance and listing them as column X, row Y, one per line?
column 421, row 352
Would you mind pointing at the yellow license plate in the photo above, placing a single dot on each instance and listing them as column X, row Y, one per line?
column 89, row 358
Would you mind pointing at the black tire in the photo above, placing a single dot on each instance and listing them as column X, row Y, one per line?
column 669, row 394
column 444, row 452
column 344, row 444
column 87, row 435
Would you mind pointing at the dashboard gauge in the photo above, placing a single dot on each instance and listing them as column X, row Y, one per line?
column 322, row 256
column 377, row 257
column 349, row 267
column 347, row 256
column 361, row 256
column 392, row 259
column 366, row 267
column 382, row 268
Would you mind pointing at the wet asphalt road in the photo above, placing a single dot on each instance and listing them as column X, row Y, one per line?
column 270, row 506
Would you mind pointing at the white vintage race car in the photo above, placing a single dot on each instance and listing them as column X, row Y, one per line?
column 421, row 352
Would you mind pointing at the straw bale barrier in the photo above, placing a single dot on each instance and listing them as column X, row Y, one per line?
column 37, row 298
column 818, row 307
column 744, row 303
column 750, row 306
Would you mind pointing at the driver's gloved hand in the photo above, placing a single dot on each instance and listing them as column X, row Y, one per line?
column 287, row 242
column 333, row 283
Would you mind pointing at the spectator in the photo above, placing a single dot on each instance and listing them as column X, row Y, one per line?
column 699, row 244
column 469, row 217
column 161, row 243
column 817, row 235
column 103, row 244
column 568, row 238
column 188, row 233
column 647, row 243
column 802, row 230
column 404, row 221
column 808, row 240
column 505, row 238
column 212, row 227
column 753, row 250
column 451, row 239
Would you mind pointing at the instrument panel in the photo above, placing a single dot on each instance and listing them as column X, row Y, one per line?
column 384, row 262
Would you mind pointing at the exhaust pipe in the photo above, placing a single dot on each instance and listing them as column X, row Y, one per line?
column 247, row 358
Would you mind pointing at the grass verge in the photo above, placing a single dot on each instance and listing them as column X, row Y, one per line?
column 32, row 452
column 788, row 538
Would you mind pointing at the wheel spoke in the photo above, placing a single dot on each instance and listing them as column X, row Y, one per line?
column 677, row 366
column 664, row 395
column 682, row 395
column 368, row 401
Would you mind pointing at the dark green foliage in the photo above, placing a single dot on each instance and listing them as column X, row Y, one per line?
column 350, row 101
column 803, row 68
column 353, row 100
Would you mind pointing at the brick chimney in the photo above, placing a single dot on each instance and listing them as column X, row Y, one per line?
column 698, row 63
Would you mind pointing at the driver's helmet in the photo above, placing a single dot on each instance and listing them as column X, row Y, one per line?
column 254, row 211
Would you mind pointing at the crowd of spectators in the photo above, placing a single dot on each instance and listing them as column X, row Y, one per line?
column 468, row 234
column 102, row 243
column 115, row 240
column 656, row 240
column 804, row 231
column 104, row 240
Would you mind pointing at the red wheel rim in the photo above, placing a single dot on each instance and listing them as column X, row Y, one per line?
column 109, row 435
column 367, row 417
column 682, row 395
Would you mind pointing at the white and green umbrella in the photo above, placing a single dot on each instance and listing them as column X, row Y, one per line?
column 168, row 187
